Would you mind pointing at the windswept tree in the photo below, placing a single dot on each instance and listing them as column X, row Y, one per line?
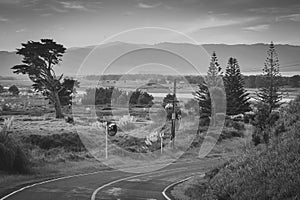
column 270, row 93
column 236, row 96
column 39, row 59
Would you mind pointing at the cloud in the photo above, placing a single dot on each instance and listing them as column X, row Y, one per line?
column 3, row 19
column 21, row 30
column 143, row 5
column 214, row 22
column 56, row 9
column 11, row 1
column 74, row 5
column 292, row 17
column 46, row 14
column 262, row 27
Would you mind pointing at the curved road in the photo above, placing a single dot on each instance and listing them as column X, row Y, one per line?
column 114, row 184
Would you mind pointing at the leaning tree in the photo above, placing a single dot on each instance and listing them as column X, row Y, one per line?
column 39, row 59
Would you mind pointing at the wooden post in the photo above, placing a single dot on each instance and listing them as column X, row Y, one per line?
column 173, row 115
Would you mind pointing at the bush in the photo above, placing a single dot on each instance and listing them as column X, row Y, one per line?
column 68, row 141
column 229, row 133
column 14, row 90
column 234, row 124
column 127, row 123
column 270, row 172
column 12, row 157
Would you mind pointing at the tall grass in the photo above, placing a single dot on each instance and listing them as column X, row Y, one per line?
column 264, row 172
column 127, row 123
column 12, row 157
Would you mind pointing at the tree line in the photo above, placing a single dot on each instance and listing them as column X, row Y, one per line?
column 39, row 59
column 237, row 98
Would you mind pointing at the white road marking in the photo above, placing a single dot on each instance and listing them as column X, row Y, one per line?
column 114, row 191
column 180, row 181
column 72, row 176
column 93, row 197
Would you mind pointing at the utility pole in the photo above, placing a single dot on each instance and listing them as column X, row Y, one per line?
column 173, row 116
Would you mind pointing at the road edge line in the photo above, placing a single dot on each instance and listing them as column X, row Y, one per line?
column 175, row 183
column 48, row 181
column 93, row 197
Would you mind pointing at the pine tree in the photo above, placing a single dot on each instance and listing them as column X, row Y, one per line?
column 270, row 92
column 236, row 95
column 213, row 79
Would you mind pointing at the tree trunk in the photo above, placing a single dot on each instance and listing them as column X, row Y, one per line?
column 57, row 105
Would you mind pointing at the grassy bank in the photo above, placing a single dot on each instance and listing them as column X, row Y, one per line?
column 269, row 171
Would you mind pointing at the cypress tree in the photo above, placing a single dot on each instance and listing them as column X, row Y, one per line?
column 270, row 93
column 236, row 95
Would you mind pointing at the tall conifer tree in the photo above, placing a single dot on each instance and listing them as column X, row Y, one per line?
column 202, row 95
column 270, row 93
column 236, row 95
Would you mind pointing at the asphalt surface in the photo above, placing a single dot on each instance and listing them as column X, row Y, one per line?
column 115, row 184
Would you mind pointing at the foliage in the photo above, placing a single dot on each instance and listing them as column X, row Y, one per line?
column 2, row 89
column 139, row 99
column 236, row 96
column 68, row 89
column 270, row 92
column 39, row 59
column 234, row 124
column 14, row 90
column 211, row 81
column 127, row 123
column 202, row 95
column 12, row 157
column 263, row 122
column 168, row 99
column 268, row 172
column 105, row 96
column 68, row 141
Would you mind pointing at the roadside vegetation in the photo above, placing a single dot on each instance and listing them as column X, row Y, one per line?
column 268, row 168
column 12, row 156
column 263, row 172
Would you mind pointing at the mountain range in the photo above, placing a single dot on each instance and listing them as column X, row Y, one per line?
column 164, row 58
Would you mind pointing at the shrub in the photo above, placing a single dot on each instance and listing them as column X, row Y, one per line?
column 263, row 122
column 12, row 157
column 268, row 172
column 68, row 141
column 238, row 126
column 2, row 89
column 14, row 90
column 228, row 133
column 234, row 124
column 127, row 123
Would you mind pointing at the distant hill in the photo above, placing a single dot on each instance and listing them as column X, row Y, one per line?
column 251, row 58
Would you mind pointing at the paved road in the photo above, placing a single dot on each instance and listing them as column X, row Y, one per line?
column 113, row 184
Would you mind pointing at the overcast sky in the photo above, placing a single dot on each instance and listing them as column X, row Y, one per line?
column 88, row 22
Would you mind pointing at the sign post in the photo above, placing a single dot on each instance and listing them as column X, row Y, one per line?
column 161, row 142
column 106, row 138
